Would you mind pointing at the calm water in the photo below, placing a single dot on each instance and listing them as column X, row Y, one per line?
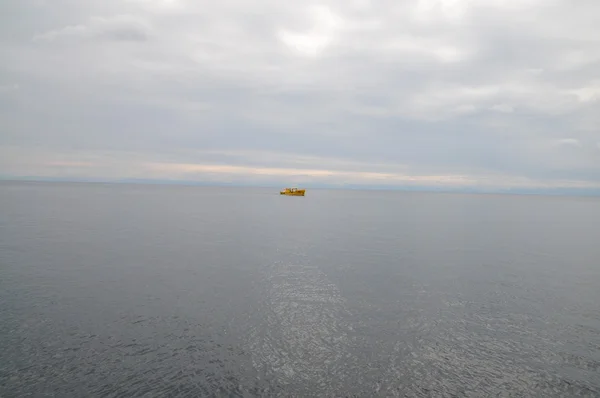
column 116, row 290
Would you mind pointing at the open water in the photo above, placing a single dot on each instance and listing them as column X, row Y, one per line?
column 132, row 290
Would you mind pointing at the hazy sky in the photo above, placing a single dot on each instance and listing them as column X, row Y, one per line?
column 486, row 93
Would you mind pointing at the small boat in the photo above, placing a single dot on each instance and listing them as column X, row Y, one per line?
column 293, row 192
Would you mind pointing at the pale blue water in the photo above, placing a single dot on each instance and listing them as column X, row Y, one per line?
column 131, row 290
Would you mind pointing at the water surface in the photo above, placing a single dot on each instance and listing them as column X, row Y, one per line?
column 132, row 290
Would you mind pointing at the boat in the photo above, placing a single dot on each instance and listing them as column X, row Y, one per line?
column 293, row 192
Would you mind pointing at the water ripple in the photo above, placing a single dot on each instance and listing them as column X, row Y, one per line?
column 303, row 341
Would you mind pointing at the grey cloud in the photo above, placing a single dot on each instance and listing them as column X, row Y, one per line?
column 568, row 142
column 118, row 28
column 7, row 88
column 437, row 87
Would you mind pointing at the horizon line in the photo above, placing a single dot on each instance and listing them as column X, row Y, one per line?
column 545, row 191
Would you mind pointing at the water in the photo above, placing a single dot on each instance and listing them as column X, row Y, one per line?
column 124, row 290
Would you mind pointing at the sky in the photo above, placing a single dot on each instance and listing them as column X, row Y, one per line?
column 496, row 94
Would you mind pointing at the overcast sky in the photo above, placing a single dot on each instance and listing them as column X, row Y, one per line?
column 484, row 93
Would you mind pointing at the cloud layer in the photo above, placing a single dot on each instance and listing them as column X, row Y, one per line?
column 432, row 92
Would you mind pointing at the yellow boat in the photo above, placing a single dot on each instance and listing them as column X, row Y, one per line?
column 293, row 192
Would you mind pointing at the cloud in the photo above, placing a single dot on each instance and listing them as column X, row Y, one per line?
column 590, row 93
column 325, row 25
column 115, row 28
column 210, row 167
column 503, row 108
column 568, row 142
column 398, row 89
column 7, row 88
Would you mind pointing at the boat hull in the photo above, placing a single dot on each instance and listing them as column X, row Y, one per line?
column 292, row 192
